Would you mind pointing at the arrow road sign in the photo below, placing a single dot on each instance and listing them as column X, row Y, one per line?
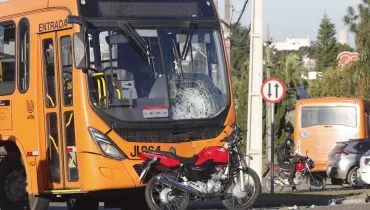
column 273, row 90
column 269, row 94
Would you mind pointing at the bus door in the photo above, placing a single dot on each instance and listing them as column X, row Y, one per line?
column 62, row 164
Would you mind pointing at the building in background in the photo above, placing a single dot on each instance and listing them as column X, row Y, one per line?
column 343, row 36
column 292, row 43
column 309, row 63
column 312, row 75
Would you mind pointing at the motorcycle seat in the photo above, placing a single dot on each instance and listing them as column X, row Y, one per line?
column 185, row 160
column 281, row 167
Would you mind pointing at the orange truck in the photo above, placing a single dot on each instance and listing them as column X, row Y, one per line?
column 321, row 122
column 86, row 86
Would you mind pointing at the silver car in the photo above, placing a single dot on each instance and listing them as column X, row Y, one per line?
column 344, row 160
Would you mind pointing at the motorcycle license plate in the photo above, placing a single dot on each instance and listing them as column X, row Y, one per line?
column 143, row 173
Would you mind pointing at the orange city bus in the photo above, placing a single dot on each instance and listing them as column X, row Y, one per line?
column 321, row 122
column 87, row 85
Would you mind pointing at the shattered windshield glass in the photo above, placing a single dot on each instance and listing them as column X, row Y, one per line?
column 170, row 75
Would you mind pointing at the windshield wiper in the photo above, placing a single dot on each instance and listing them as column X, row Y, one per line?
column 138, row 43
column 181, row 56
column 189, row 37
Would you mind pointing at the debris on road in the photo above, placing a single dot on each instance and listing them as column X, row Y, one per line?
column 332, row 202
column 293, row 207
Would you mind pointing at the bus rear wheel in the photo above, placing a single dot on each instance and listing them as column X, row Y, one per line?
column 13, row 183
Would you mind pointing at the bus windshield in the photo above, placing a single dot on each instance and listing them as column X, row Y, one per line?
column 158, row 74
column 335, row 115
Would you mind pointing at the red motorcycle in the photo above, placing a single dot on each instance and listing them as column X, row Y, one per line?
column 303, row 172
column 216, row 172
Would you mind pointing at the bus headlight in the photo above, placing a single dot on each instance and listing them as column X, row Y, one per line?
column 106, row 145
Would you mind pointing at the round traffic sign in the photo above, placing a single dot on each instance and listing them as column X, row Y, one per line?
column 273, row 90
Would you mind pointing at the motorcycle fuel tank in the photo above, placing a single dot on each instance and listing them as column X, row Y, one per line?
column 215, row 153
column 299, row 166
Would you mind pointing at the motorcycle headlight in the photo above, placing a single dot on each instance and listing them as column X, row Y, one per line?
column 106, row 145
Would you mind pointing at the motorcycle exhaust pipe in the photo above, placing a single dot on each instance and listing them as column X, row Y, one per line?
column 171, row 182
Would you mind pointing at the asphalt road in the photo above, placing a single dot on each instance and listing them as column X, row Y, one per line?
column 213, row 205
column 320, row 200
column 57, row 206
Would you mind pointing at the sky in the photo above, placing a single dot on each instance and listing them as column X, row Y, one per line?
column 296, row 18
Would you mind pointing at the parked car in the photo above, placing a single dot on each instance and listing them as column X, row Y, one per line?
column 344, row 160
column 364, row 170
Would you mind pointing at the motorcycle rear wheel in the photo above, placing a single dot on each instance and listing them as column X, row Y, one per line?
column 155, row 192
column 316, row 182
column 253, row 191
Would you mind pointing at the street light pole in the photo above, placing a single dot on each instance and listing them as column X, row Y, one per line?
column 254, row 133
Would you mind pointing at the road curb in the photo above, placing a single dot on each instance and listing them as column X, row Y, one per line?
column 307, row 199
column 357, row 199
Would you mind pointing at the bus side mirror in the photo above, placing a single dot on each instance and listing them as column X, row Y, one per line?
column 80, row 51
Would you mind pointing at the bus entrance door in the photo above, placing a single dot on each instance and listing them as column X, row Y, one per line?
column 61, row 156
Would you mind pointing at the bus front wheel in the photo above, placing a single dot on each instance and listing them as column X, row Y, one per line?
column 13, row 183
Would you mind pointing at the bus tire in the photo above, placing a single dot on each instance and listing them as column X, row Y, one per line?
column 13, row 182
column 38, row 203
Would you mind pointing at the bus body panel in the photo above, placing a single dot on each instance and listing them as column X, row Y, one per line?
column 316, row 141
column 21, row 8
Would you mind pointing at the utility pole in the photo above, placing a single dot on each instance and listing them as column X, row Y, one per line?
column 226, row 27
column 254, row 135
column 268, row 66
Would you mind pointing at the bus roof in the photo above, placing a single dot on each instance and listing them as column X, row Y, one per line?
column 192, row 9
column 329, row 100
column 9, row 8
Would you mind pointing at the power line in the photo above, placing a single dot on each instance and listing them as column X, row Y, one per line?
column 242, row 12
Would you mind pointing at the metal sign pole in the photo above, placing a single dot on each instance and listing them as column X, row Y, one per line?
column 273, row 90
column 272, row 147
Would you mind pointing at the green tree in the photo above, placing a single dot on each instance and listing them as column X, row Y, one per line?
column 290, row 72
column 239, row 72
column 344, row 47
column 326, row 45
column 359, row 23
column 307, row 51
column 351, row 80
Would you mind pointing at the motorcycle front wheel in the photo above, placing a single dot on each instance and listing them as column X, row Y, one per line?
column 316, row 182
column 277, row 187
column 236, row 199
column 161, row 196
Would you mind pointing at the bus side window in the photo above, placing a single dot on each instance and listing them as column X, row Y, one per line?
column 7, row 58
column 23, row 56
column 66, row 53
column 48, row 50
